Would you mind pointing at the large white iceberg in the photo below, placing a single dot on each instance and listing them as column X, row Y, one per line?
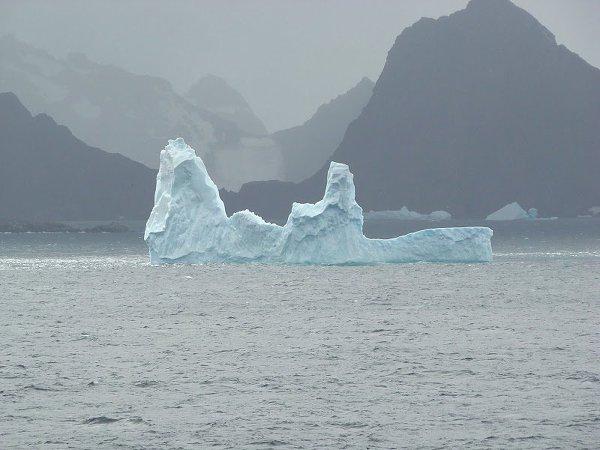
column 513, row 211
column 188, row 224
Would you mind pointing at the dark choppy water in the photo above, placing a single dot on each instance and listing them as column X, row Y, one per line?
column 99, row 349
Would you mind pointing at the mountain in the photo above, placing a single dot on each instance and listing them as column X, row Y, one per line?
column 306, row 148
column 472, row 111
column 111, row 108
column 295, row 154
column 135, row 115
column 48, row 174
column 215, row 95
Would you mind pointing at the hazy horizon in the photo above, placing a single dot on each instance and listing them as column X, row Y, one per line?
column 285, row 57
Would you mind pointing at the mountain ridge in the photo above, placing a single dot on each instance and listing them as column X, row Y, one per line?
column 296, row 153
column 308, row 146
column 49, row 174
column 109, row 107
column 472, row 111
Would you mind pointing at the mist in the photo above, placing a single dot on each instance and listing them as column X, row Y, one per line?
column 286, row 57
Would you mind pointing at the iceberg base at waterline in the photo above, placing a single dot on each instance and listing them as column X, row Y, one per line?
column 188, row 224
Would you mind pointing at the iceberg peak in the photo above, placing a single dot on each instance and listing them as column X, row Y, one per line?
column 188, row 224
column 513, row 211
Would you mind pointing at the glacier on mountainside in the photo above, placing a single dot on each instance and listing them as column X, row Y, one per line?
column 188, row 224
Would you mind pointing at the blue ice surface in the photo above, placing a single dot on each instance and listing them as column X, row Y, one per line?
column 188, row 224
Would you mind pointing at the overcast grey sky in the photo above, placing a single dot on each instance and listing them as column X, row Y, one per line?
column 285, row 56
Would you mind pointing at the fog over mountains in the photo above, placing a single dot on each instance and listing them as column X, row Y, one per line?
column 472, row 111
column 140, row 111
column 116, row 110
column 215, row 95
column 135, row 115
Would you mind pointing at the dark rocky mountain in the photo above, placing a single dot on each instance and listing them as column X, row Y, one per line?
column 48, row 174
column 471, row 112
column 307, row 147
column 213, row 94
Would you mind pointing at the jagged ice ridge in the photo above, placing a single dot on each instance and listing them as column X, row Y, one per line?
column 188, row 224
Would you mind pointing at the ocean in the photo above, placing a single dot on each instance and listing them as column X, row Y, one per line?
column 98, row 349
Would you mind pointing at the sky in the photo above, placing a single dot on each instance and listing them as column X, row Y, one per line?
column 285, row 56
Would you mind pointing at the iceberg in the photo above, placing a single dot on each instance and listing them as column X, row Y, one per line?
column 188, row 224
column 406, row 214
column 513, row 211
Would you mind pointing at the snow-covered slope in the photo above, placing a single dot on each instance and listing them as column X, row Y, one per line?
column 215, row 95
column 134, row 115
column 188, row 224
column 110, row 108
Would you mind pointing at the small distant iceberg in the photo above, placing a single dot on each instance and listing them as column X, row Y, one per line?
column 405, row 214
column 594, row 211
column 513, row 211
column 188, row 224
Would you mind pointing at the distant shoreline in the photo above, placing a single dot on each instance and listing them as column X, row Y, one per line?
column 61, row 227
